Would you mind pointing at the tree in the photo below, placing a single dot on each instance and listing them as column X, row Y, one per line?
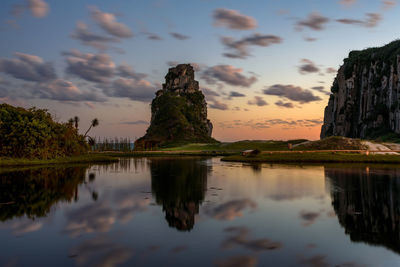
column 94, row 123
column 76, row 122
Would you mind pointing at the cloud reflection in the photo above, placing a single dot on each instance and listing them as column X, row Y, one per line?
column 232, row 209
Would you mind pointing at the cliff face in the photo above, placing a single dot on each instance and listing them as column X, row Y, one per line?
column 365, row 95
column 367, row 204
column 178, row 112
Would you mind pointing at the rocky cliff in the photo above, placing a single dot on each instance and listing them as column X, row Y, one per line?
column 365, row 95
column 178, row 112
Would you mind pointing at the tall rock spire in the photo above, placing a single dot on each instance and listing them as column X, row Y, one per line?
column 178, row 112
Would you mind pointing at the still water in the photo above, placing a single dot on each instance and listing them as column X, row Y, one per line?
column 200, row 212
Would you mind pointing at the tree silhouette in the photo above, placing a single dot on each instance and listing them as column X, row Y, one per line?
column 94, row 123
column 76, row 122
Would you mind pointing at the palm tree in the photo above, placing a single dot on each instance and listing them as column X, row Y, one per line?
column 95, row 122
column 76, row 121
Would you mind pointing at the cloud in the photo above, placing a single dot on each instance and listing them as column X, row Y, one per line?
column 215, row 104
column 227, row 74
column 240, row 47
column 38, row 8
column 127, row 71
column 100, row 251
column 258, row 100
column 135, row 122
column 209, row 92
column 63, row 90
column 371, row 20
column 231, row 209
column 388, row 4
column 320, row 89
column 28, row 67
column 108, row 23
column 269, row 123
column 3, row 91
column 137, row 90
column 236, row 261
column 282, row 104
column 91, row 67
column 314, row 21
column 347, row 3
column 232, row 19
column 89, row 218
column 331, row 70
column 240, row 237
column 308, row 217
column 153, row 36
column 294, row 93
column 236, row 94
column 179, row 36
column 88, row 38
column 24, row 226
column 310, row 39
column 315, row 261
column 307, row 66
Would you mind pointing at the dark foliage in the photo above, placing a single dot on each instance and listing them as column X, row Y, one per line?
column 32, row 133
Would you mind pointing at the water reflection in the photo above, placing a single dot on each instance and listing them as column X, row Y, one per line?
column 179, row 186
column 367, row 204
column 33, row 192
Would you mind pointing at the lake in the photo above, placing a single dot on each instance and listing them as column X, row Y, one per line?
column 200, row 212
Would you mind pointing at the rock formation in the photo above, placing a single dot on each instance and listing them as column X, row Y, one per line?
column 365, row 95
column 179, row 186
column 366, row 202
column 178, row 112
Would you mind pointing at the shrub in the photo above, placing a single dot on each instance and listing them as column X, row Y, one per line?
column 32, row 133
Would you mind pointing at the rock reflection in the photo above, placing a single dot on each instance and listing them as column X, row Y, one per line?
column 179, row 186
column 367, row 204
column 33, row 192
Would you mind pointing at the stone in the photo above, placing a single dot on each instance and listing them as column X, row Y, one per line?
column 178, row 112
column 365, row 95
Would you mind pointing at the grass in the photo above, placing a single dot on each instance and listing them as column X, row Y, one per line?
column 88, row 158
column 318, row 157
column 333, row 143
column 268, row 145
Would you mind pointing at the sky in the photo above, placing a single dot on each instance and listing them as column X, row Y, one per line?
column 265, row 66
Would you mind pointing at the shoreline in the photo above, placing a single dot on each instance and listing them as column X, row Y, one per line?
column 334, row 156
column 315, row 157
column 11, row 162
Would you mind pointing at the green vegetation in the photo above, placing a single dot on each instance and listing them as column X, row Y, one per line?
column 87, row 158
column 387, row 54
column 175, row 119
column 333, row 143
column 33, row 134
column 32, row 192
column 383, row 134
column 319, row 157
column 268, row 145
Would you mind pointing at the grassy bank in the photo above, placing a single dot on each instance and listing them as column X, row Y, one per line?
column 136, row 154
column 267, row 145
column 322, row 157
column 88, row 158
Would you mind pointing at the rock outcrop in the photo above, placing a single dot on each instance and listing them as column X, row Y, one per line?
column 365, row 95
column 366, row 202
column 178, row 112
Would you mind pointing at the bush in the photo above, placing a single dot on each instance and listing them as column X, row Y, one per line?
column 32, row 133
